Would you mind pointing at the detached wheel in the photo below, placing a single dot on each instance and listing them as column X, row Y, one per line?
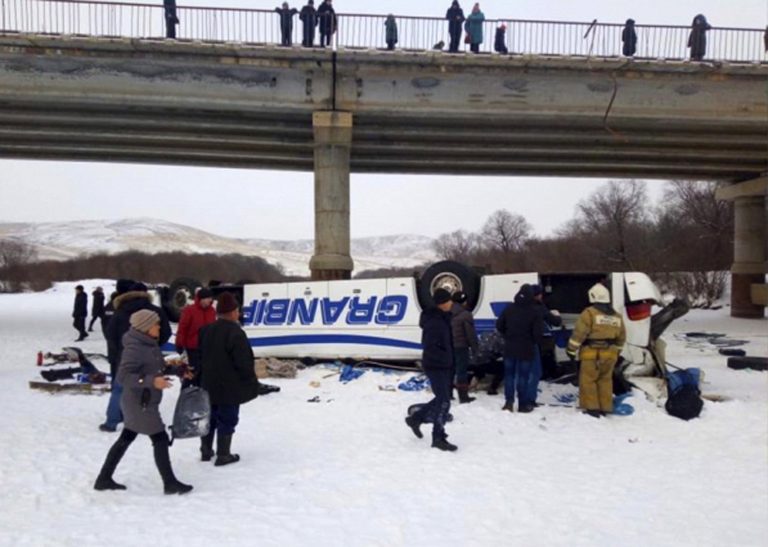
column 451, row 276
column 754, row 363
column 180, row 294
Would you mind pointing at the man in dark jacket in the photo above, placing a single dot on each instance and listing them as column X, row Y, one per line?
column 545, row 352
column 629, row 39
column 97, row 307
column 229, row 377
column 308, row 16
column 697, row 40
column 126, row 305
column 522, row 326
column 328, row 23
column 464, row 339
column 437, row 362
column 80, row 312
column 455, row 16
column 286, row 23
column 171, row 18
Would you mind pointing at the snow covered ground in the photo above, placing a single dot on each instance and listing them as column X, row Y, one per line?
column 346, row 470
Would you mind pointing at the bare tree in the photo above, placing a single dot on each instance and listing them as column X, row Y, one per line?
column 15, row 253
column 505, row 231
column 459, row 245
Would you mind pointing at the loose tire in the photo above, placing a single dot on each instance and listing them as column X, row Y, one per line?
column 451, row 276
column 754, row 363
column 180, row 294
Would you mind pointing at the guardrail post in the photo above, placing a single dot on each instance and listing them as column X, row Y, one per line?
column 333, row 142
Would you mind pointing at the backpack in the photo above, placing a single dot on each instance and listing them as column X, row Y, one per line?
column 192, row 416
column 684, row 400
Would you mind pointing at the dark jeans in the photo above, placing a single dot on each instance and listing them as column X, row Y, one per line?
column 325, row 40
column 224, row 418
column 455, row 41
column 441, row 381
column 461, row 360
column 114, row 413
column 517, row 373
column 309, row 36
column 79, row 324
column 534, row 378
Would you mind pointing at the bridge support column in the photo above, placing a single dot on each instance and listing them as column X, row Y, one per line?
column 333, row 142
column 748, row 287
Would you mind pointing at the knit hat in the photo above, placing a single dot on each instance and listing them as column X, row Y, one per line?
column 459, row 297
column 441, row 296
column 143, row 320
column 205, row 292
column 227, row 303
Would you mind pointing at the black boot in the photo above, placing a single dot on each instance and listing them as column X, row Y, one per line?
column 206, row 447
column 104, row 480
column 171, row 485
column 223, row 454
column 441, row 443
column 415, row 424
column 493, row 389
column 594, row 413
column 464, row 394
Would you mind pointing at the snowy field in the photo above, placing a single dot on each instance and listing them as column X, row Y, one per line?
column 347, row 472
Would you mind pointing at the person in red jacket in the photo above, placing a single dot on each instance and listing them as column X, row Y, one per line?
column 193, row 318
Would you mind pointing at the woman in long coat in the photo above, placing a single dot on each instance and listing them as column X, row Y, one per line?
column 474, row 28
column 141, row 374
column 697, row 40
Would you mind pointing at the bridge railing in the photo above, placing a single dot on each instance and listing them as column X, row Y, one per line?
column 252, row 26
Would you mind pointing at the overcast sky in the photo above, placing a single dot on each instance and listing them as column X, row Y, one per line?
column 279, row 205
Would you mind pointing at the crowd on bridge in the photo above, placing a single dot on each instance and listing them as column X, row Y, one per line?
column 324, row 21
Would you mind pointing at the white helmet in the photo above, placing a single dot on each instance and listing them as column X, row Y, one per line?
column 598, row 294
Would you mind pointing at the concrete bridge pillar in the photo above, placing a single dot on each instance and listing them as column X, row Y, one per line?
column 748, row 288
column 333, row 142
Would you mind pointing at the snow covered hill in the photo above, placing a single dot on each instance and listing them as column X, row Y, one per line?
column 64, row 240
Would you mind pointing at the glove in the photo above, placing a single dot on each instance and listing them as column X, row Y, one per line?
column 571, row 354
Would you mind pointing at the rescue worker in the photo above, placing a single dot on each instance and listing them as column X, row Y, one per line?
column 598, row 337
column 464, row 338
column 437, row 362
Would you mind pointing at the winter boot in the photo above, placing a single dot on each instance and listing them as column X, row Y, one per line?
column 493, row 389
column 441, row 443
column 206, row 447
column 464, row 394
column 594, row 413
column 223, row 454
column 525, row 408
column 415, row 425
column 104, row 480
column 171, row 485
column 510, row 407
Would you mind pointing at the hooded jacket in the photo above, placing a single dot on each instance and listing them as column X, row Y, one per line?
column 436, row 339
column 522, row 326
column 193, row 318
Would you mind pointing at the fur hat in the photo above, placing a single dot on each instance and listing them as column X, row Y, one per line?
column 441, row 296
column 598, row 294
column 143, row 320
column 227, row 303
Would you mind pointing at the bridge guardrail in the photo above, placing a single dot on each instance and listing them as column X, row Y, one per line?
column 253, row 26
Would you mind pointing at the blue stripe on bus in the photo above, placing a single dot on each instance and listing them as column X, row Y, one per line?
column 300, row 339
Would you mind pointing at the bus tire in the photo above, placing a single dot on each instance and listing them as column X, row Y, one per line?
column 180, row 293
column 452, row 276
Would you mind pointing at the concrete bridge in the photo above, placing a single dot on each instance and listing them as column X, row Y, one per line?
column 336, row 112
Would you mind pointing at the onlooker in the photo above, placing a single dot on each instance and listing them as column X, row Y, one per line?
column 474, row 28
column 97, row 307
column 629, row 38
column 125, row 305
column 141, row 372
column 327, row 21
column 598, row 337
column 500, row 42
column 697, row 40
column 464, row 339
column 545, row 352
column 437, row 362
column 171, row 18
column 308, row 16
column 80, row 312
column 229, row 377
column 455, row 16
column 193, row 318
column 286, row 23
column 390, row 31
column 522, row 326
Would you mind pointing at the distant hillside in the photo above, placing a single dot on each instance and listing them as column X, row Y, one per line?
column 64, row 240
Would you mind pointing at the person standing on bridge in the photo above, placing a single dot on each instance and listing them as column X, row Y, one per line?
column 308, row 16
column 629, row 37
column 500, row 43
column 328, row 22
column 697, row 40
column 474, row 28
column 455, row 16
column 171, row 18
column 286, row 24
column 390, row 27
